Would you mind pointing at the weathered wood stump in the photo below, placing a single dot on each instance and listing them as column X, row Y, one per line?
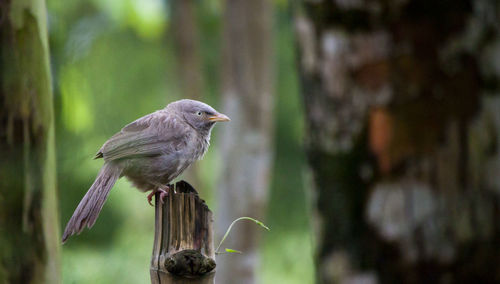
column 183, row 250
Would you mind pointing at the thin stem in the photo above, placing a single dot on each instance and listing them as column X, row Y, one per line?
column 231, row 226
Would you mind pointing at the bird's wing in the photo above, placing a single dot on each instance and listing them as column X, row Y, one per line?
column 152, row 135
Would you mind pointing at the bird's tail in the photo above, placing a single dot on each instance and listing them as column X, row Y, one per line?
column 88, row 210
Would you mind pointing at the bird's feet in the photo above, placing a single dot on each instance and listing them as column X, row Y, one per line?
column 150, row 197
column 162, row 191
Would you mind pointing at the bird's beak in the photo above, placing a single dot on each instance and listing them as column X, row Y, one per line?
column 219, row 117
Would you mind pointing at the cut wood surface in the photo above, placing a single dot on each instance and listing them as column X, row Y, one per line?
column 183, row 250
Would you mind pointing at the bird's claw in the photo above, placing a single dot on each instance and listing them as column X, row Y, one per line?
column 162, row 191
column 150, row 197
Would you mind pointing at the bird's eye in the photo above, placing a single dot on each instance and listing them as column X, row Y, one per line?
column 199, row 113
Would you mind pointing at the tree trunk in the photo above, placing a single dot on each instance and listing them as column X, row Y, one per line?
column 401, row 102
column 29, row 221
column 186, row 42
column 246, row 142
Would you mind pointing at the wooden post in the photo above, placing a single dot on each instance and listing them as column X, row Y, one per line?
column 183, row 250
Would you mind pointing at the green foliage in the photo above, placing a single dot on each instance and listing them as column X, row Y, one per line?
column 76, row 111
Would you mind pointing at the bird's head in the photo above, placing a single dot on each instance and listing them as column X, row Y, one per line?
column 200, row 116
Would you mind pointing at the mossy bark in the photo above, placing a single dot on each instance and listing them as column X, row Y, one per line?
column 401, row 101
column 29, row 221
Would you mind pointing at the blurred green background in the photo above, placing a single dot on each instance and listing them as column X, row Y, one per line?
column 112, row 63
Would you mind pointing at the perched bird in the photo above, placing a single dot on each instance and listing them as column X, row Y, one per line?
column 150, row 152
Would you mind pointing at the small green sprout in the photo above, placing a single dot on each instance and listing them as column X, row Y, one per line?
column 227, row 250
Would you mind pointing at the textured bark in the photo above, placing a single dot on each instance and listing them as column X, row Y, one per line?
column 401, row 101
column 184, row 246
column 29, row 221
column 246, row 142
column 186, row 42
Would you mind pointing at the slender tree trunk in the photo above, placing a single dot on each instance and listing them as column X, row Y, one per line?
column 29, row 221
column 186, row 41
column 246, row 144
column 402, row 107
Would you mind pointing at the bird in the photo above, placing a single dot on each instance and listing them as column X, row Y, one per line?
column 150, row 152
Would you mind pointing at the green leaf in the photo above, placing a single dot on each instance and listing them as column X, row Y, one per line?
column 261, row 224
column 233, row 251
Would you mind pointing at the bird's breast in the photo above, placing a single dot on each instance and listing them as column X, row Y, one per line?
column 197, row 147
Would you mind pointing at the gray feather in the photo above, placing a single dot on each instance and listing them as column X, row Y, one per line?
column 156, row 134
column 88, row 210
